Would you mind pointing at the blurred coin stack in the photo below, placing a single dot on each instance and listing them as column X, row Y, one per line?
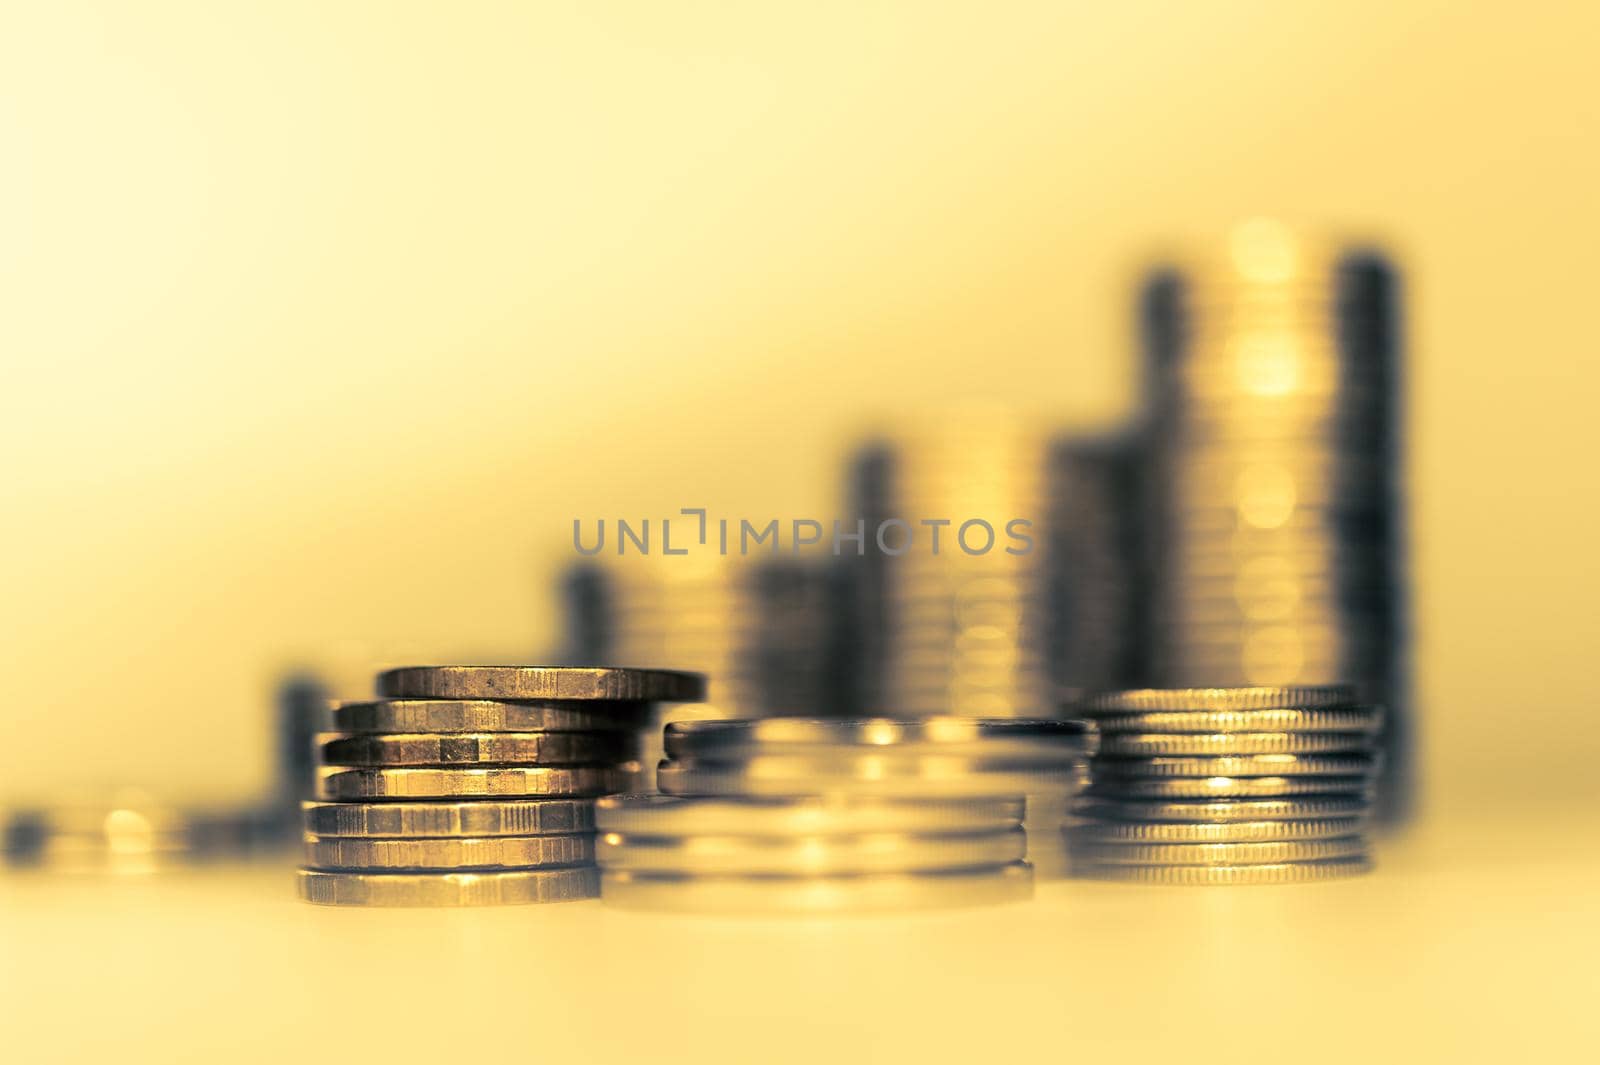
column 1274, row 447
column 474, row 785
column 1227, row 786
column 932, row 758
column 815, row 854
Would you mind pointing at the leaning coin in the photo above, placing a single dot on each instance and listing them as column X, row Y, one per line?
column 574, row 781
column 480, row 817
column 816, row 894
column 541, row 682
column 1227, row 787
column 470, row 748
column 876, row 852
column 506, row 887
column 1152, row 744
column 1257, row 698
column 483, row 715
column 1219, row 875
column 1343, row 719
column 812, row 815
column 989, row 737
column 483, row 852
column 1254, row 765
column 1214, row 832
column 1242, row 853
column 1267, row 809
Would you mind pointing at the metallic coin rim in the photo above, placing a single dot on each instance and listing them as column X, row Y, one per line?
column 553, row 683
column 812, row 815
column 1227, row 787
column 445, row 819
column 1343, row 719
column 1232, row 852
column 1244, row 765
column 1136, row 810
column 381, row 750
column 367, row 783
column 823, row 855
column 389, row 716
column 1216, row 831
column 816, row 894
column 1247, row 697
column 1225, row 875
column 494, row 888
column 367, row 854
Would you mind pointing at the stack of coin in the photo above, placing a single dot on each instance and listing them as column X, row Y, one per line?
column 818, row 854
column 472, row 785
column 938, row 757
column 1274, row 430
column 1227, row 786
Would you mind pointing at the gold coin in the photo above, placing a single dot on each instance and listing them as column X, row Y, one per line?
column 481, row 817
column 870, row 852
column 541, row 682
column 985, row 737
column 814, row 815
column 817, row 894
column 499, row 888
column 1151, row 744
column 1302, row 697
column 368, row 783
column 1254, row 852
column 1227, row 787
column 482, row 715
column 483, row 852
column 1225, row 810
column 1220, row 875
column 1254, row 765
column 864, row 773
column 469, row 748
column 1216, row 831
column 1345, row 719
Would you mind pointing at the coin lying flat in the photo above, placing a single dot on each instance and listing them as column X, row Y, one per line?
column 483, row 852
column 1255, row 765
column 1257, row 852
column 482, row 715
column 853, row 771
column 992, row 737
column 1228, row 787
column 1152, row 744
column 367, row 783
column 1219, row 875
column 467, row 748
column 483, row 817
column 664, row 815
column 878, row 852
column 1117, row 808
column 1343, row 719
column 541, row 682
column 1215, row 831
column 500, row 888
column 816, row 894
column 1248, row 698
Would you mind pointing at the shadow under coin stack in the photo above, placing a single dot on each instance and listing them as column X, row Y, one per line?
column 475, row 785
column 940, row 758
column 817, row 854
column 1227, row 786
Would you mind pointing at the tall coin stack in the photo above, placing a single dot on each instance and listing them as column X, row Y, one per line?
column 1274, row 430
column 817, row 854
column 474, row 785
column 1227, row 786
column 938, row 758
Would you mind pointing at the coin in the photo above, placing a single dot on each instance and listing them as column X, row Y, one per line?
column 1248, row 698
column 1219, row 875
column 664, row 815
column 1345, row 719
column 506, row 887
column 483, row 852
column 482, row 715
column 482, row 817
column 541, row 682
column 1250, row 765
column 1255, row 852
column 816, row 894
column 1150, row 744
column 1215, row 831
column 466, row 748
column 1008, row 737
column 871, row 852
column 1228, row 787
column 953, row 775
column 1228, row 810
column 370, row 783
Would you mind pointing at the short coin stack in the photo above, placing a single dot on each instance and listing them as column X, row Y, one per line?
column 937, row 757
column 816, row 854
column 475, row 785
column 1227, row 786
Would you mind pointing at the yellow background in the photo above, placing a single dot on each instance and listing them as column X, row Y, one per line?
column 321, row 321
